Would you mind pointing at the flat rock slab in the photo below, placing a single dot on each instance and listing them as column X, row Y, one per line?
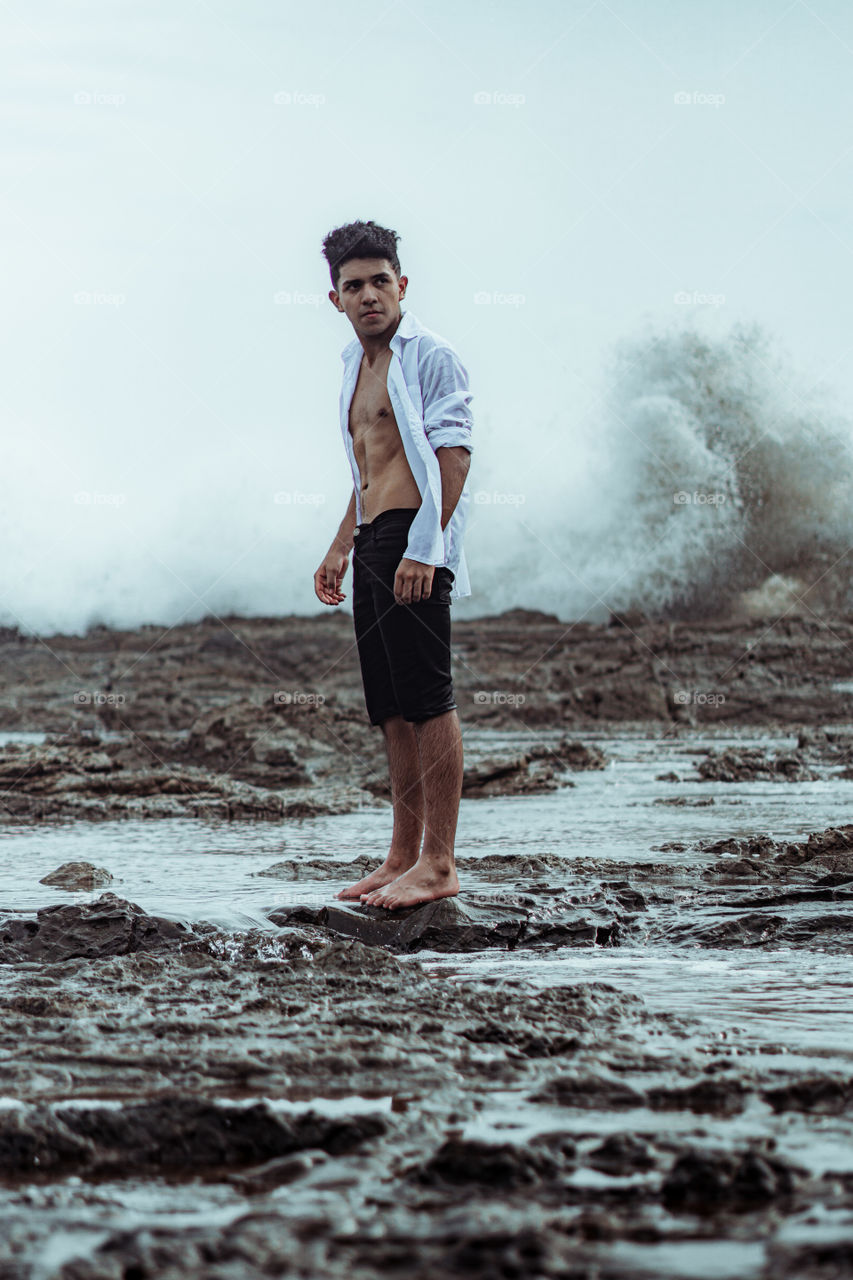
column 448, row 925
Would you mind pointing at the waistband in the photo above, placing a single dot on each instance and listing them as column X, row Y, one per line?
column 400, row 516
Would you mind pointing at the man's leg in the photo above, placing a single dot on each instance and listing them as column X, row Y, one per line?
column 439, row 741
column 407, row 799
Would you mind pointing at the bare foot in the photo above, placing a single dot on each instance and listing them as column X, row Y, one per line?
column 391, row 868
column 424, row 882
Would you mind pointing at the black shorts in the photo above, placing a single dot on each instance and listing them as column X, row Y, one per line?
column 404, row 649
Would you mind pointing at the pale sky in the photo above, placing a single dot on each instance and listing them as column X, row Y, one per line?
column 170, row 170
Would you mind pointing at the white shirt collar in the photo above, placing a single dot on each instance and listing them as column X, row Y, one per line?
column 408, row 327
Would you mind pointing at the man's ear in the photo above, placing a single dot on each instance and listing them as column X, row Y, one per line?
column 335, row 299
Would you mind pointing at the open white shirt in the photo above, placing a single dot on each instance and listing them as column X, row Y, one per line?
column 428, row 389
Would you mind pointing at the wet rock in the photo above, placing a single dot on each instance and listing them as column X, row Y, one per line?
column 530, row 1042
column 144, row 778
column 760, row 846
column 447, row 925
column 108, row 927
column 578, row 756
column 706, row 1182
column 590, row 1092
column 822, row 853
column 171, row 1133
column 751, row 764
column 736, row 869
column 627, row 896
column 685, row 802
column 319, row 869
column 327, row 1241
column 251, row 744
column 516, row 865
column 277, row 1172
column 84, row 876
column 830, row 850
column 709, row 1096
column 752, row 929
column 541, row 768
column 435, row 926
column 501, row 1166
column 523, row 774
column 71, row 781
column 816, row 1094
column 818, row 1260
column 621, row 1154
column 488, row 867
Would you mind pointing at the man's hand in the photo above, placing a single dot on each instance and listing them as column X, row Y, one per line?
column 330, row 575
column 412, row 581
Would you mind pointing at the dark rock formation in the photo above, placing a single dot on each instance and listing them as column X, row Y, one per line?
column 171, row 1133
column 705, row 1182
column 750, row 764
column 108, row 927
column 448, row 925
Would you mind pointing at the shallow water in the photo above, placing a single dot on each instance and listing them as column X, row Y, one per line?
column 799, row 1000
column 794, row 1004
column 191, row 868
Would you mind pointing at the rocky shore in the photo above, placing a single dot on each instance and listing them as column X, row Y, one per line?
column 482, row 1128
column 338, row 1092
column 264, row 718
column 519, row 666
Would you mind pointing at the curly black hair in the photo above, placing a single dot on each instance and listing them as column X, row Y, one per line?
column 359, row 240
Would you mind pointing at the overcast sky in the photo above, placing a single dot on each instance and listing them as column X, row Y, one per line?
column 561, row 175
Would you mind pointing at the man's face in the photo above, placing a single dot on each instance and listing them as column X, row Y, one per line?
column 370, row 294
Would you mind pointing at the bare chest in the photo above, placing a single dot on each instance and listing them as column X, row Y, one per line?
column 371, row 405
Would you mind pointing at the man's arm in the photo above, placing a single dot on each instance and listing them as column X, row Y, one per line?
column 453, row 462
column 413, row 580
column 447, row 424
column 330, row 575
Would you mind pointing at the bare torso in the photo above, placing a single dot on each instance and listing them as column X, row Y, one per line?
column 386, row 477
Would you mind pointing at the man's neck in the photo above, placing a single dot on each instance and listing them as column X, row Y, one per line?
column 376, row 345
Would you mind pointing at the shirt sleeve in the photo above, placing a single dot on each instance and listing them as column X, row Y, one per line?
column 444, row 386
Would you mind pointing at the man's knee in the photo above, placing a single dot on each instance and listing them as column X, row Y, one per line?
column 395, row 727
column 434, row 717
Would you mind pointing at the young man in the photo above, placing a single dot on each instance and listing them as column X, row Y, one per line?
column 407, row 432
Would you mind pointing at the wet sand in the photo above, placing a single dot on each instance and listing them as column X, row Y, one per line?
column 626, row 1049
